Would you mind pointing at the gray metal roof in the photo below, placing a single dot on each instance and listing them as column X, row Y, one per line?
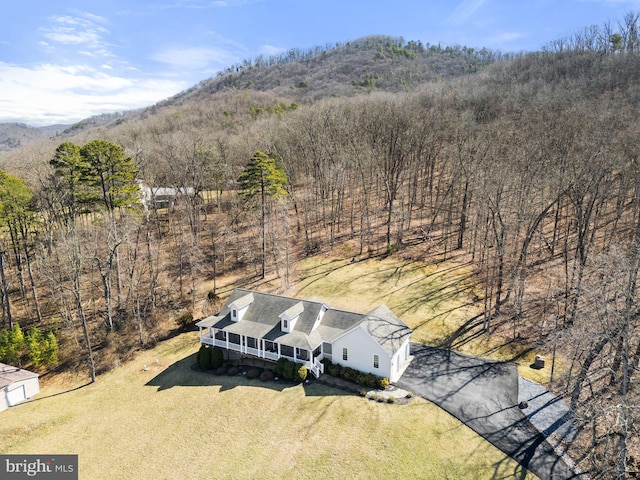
column 262, row 320
column 9, row 374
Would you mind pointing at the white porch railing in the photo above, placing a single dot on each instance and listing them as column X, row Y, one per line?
column 319, row 365
column 270, row 355
column 315, row 367
column 312, row 368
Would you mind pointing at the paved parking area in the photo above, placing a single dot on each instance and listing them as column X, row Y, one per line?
column 484, row 395
column 548, row 413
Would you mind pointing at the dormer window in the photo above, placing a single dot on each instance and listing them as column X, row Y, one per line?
column 239, row 307
column 289, row 317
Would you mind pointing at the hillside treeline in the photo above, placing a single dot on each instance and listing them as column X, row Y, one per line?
column 527, row 170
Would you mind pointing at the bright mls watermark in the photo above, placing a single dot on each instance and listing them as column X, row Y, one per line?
column 50, row 467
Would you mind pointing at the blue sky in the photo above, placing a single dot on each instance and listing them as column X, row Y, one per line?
column 62, row 61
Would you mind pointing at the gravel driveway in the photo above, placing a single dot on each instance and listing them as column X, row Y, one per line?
column 484, row 395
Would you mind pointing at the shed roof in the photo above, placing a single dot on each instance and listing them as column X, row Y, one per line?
column 9, row 375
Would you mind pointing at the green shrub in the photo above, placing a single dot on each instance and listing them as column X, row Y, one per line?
column 370, row 380
column 50, row 350
column 335, row 370
column 12, row 345
column 266, row 376
column 280, row 366
column 233, row 371
column 300, row 374
column 349, row 374
column 34, row 341
column 383, row 383
column 204, row 357
column 199, row 354
column 360, row 378
column 221, row 370
column 253, row 373
column 363, row 393
column 289, row 370
column 217, row 357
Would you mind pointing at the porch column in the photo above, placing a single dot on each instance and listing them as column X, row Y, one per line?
column 278, row 349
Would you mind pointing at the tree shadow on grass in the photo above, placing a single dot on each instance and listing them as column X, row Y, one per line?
column 186, row 373
column 37, row 399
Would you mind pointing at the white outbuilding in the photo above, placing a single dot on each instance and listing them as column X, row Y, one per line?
column 16, row 385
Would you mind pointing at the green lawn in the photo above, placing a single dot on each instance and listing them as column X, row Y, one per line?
column 172, row 422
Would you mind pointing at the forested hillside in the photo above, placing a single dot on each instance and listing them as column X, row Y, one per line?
column 16, row 135
column 527, row 169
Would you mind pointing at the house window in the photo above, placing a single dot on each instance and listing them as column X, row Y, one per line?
column 285, row 324
column 376, row 361
column 345, row 355
column 234, row 313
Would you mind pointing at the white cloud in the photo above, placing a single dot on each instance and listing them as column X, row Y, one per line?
column 195, row 58
column 84, row 29
column 465, row 10
column 72, row 93
column 506, row 37
column 271, row 50
column 214, row 3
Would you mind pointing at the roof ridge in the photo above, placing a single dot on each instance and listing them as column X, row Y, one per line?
column 282, row 296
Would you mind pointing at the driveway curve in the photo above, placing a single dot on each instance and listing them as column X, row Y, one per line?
column 484, row 395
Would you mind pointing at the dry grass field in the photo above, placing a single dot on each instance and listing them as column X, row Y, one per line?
column 437, row 300
column 173, row 422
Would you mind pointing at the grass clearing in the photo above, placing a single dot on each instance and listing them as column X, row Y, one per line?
column 433, row 299
column 173, row 422
column 437, row 300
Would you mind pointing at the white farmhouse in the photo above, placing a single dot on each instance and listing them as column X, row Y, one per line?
column 16, row 385
column 306, row 331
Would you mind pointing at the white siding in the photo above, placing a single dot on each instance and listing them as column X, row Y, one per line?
column 16, row 391
column 398, row 362
column 3, row 399
column 242, row 311
column 361, row 348
column 16, row 395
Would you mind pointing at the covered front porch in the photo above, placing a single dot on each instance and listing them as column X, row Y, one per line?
column 262, row 348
